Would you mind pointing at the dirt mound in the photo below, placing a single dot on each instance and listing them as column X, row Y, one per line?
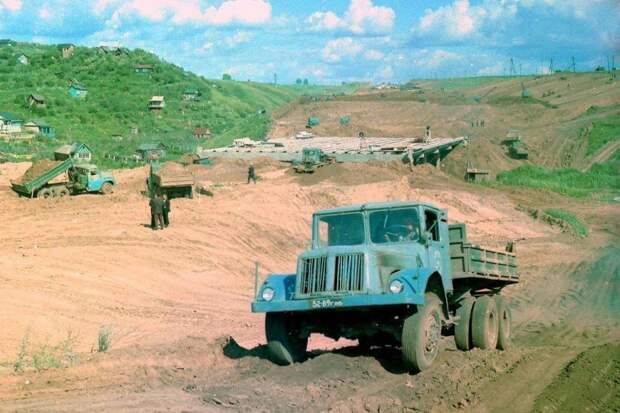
column 172, row 169
column 351, row 174
column 234, row 170
column 37, row 169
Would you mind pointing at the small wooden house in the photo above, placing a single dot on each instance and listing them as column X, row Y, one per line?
column 192, row 95
column 9, row 123
column 157, row 103
column 143, row 69
column 35, row 100
column 76, row 89
column 476, row 175
column 77, row 151
column 23, row 59
column 151, row 151
column 202, row 133
column 66, row 49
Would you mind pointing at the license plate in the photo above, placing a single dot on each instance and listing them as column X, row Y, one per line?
column 326, row 303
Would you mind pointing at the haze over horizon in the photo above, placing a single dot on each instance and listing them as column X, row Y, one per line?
column 334, row 41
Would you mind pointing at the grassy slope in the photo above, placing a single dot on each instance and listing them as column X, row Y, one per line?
column 118, row 97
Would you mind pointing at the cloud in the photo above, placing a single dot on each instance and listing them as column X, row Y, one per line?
column 433, row 59
column 247, row 12
column 11, row 5
column 336, row 49
column 238, row 38
column 373, row 54
column 361, row 17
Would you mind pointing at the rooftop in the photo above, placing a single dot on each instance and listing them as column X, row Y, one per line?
column 372, row 206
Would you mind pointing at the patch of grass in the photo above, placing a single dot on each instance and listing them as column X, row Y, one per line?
column 46, row 356
column 466, row 82
column 602, row 133
column 103, row 339
column 568, row 217
column 601, row 179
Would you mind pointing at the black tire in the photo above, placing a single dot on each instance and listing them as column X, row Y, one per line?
column 421, row 335
column 462, row 329
column 44, row 193
column 282, row 341
column 62, row 192
column 485, row 324
column 106, row 188
column 504, row 337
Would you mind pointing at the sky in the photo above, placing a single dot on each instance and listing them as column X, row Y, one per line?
column 334, row 41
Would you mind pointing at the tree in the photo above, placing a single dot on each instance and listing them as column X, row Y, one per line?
column 226, row 76
column 306, row 82
column 298, row 81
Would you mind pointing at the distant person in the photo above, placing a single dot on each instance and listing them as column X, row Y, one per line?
column 251, row 173
column 157, row 206
column 166, row 210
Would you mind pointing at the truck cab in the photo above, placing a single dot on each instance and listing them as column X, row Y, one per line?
column 377, row 272
column 87, row 177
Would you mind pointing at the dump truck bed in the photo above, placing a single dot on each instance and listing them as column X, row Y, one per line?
column 28, row 187
column 167, row 181
column 470, row 261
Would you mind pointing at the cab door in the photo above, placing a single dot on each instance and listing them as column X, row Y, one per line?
column 435, row 247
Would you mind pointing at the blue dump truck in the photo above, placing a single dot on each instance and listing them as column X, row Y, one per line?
column 50, row 179
column 392, row 274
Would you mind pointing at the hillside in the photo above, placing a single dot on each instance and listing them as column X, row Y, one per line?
column 118, row 96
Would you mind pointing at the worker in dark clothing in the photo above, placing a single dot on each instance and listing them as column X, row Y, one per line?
column 251, row 174
column 166, row 210
column 157, row 206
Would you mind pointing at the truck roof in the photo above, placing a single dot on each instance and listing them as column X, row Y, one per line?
column 374, row 205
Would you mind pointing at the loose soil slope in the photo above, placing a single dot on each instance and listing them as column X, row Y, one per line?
column 170, row 298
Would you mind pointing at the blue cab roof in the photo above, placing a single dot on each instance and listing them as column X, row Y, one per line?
column 373, row 205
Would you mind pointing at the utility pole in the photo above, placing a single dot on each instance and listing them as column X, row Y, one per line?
column 275, row 79
column 551, row 66
column 520, row 72
column 573, row 64
column 513, row 71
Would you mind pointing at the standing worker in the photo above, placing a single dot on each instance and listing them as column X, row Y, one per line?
column 157, row 220
column 166, row 210
column 251, row 173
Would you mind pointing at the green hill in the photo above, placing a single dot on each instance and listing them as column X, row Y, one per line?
column 117, row 100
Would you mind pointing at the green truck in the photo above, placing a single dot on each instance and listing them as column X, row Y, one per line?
column 389, row 274
column 49, row 179
column 171, row 179
column 311, row 160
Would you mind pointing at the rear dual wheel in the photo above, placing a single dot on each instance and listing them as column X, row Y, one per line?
column 485, row 323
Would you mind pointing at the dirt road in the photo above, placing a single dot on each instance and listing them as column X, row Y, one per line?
column 177, row 301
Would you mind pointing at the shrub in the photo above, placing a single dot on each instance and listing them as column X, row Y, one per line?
column 574, row 222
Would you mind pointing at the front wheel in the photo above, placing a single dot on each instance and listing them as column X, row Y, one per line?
column 106, row 188
column 421, row 334
column 283, row 343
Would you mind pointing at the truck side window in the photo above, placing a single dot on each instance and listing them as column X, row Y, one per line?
column 432, row 226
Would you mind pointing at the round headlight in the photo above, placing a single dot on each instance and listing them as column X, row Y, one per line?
column 268, row 294
column 396, row 286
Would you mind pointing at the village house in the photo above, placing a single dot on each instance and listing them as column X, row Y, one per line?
column 39, row 127
column 143, row 69
column 202, row 133
column 76, row 89
column 77, row 151
column 23, row 59
column 9, row 123
column 157, row 103
column 35, row 100
column 66, row 49
column 134, row 130
column 192, row 94
column 151, row 151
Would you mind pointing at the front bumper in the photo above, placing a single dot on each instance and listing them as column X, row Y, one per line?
column 337, row 302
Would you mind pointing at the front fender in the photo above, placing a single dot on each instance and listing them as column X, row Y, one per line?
column 416, row 279
column 283, row 286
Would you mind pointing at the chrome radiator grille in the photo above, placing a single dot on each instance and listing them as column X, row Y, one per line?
column 341, row 273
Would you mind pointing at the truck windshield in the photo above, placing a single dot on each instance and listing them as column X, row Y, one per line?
column 343, row 229
column 399, row 225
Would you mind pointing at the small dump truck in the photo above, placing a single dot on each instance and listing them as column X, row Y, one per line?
column 49, row 179
column 311, row 160
column 389, row 274
column 171, row 179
